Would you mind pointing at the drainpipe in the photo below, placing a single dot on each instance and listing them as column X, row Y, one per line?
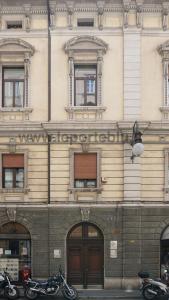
column 49, row 118
column 49, row 94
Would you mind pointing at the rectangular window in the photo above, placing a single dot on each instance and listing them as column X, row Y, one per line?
column 85, row 85
column 85, row 170
column 13, row 87
column 14, row 24
column 13, row 170
column 85, row 22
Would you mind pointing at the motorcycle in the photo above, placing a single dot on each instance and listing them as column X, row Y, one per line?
column 151, row 288
column 50, row 287
column 6, row 288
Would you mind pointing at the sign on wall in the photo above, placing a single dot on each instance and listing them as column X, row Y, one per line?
column 113, row 249
column 12, row 266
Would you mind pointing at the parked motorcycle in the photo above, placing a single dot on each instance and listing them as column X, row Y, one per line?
column 152, row 288
column 51, row 287
column 6, row 288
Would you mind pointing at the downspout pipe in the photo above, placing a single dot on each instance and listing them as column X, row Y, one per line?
column 49, row 94
column 49, row 118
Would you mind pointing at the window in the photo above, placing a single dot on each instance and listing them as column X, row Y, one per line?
column 83, row 22
column 13, row 171
column 13, row 87
column 14, row 24
column 15, row 79
column 85, row 85
column 85, row 77
column 85, row 170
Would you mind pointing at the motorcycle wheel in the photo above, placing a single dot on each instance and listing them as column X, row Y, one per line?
column 11, row 293
column 29, row 294
column 70, row 294
column 149, row 296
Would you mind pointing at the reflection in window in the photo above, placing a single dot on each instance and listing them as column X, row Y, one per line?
column 13, row 87
column 85, row 85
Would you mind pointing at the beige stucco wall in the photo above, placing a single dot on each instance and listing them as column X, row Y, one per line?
column 151, row 77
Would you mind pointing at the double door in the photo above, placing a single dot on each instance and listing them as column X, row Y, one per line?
column 85, row 262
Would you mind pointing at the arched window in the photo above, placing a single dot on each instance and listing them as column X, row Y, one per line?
column 15, row 249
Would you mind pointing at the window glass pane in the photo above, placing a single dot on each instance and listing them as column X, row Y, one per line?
column 19, row 94
column 14, row 247
column 14, row 73
column 8, row 180
column 8, row 94
column 90, row 86
column 84, row 72
column 80, row 92
column 77, row 232
column 92, row 231
column 91, row 183
column 91, row 100
column 85, row 22
column 79, row 183
column 19, row 178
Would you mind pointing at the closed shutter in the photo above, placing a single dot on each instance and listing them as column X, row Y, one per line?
column 13, row 160
column 85, row 166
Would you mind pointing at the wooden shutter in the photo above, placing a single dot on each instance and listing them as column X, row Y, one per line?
column 85, row 166
column 13, row 160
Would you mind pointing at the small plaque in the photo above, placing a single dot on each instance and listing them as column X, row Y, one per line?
column 57, row 253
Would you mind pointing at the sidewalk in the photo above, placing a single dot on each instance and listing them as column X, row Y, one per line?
column 100, row 294
column 109, row 294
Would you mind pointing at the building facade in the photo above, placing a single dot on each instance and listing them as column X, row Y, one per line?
column 74, row 78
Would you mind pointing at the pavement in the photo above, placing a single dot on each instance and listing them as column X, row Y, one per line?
column 100, row 294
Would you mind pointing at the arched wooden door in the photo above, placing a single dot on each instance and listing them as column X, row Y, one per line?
column 85, row 255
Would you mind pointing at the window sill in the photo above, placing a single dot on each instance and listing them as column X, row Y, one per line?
column 15, row 113
column 88, row 190
column 15, row 190
column 16, row 109
column 85, row 112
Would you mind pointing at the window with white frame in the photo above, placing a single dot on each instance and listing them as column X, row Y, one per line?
column 85, row 85
column 13, row 87
column 15, row 79
column 85, row 75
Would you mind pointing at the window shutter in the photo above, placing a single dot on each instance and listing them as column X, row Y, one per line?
column 13, row 160
column 85, row 166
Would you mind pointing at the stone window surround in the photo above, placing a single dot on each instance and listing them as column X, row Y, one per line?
column 163, row 50
column 72, row 152
column 23, row 51
column 16, row 190
column 77, row 48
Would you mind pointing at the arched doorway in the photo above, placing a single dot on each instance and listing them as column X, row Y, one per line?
column 15, row 249
column 85, row 255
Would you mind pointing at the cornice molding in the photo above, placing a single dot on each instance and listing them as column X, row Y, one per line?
column 92, row 7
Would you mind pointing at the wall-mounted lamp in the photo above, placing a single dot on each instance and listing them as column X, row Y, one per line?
column 136, row 142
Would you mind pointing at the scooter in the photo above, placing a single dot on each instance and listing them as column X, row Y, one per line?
column 152, row 288
column 6, row 288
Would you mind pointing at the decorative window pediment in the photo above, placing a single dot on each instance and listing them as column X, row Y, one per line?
column 85, row 55
column 15, row 58
column 86, row 44
column 15, row 46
